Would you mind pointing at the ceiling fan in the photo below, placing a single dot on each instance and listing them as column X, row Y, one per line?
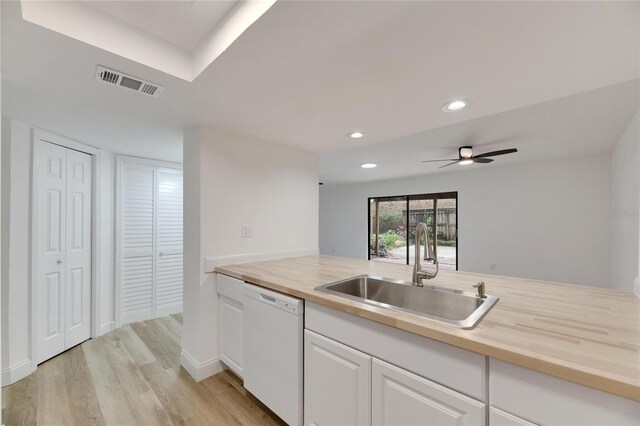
column 465, row 156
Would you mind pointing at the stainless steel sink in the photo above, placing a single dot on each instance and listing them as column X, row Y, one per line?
column 454, row 307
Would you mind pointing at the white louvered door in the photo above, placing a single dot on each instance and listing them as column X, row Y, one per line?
column 150, row 241
column 169, row 242
column 137, row 217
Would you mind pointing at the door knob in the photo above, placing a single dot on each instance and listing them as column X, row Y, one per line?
column 59, row 262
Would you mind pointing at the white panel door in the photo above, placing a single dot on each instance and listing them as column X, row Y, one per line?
column 399, row 397
column 51, row 210
column 78, row 248
column 337, row 383
column 169, row 242
column 137, row 246
column 63, row 238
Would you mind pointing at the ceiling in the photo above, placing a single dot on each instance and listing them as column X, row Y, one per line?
column 182, row 23
column 152, row 33
column 307, row 73
column 579, row 125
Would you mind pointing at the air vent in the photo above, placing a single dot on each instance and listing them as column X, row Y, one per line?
column 117, row 78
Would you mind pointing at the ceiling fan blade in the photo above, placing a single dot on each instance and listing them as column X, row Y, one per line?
column 495, row 153
column 482, row 160
column 433, row 161
column 455, row 162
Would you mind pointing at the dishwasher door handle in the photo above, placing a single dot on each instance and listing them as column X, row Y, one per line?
column 267, row 298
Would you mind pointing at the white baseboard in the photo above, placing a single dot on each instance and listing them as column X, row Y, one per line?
column 16, row 372
column 210, row 263
column 174, row 309
column 106, row 327
column 200, row 371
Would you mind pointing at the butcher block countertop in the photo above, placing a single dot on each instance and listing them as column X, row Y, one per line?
column 587, row 335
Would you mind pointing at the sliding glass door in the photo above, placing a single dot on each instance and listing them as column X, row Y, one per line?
column 393, row 220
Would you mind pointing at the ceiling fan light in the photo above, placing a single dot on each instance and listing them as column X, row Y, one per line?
column 466, row 152
column 465, row 161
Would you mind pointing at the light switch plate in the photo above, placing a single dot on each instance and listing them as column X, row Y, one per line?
column 247, row 231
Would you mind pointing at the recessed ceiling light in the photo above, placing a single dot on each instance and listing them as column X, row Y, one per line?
column 456, row 105
column 356, row 135
column 465, row 162
column 368, row 165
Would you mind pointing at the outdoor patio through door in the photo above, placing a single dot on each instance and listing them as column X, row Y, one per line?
column 392, row 223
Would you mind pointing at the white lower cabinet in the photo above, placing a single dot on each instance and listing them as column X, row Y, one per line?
column 343, row 386
column 498, row 417
column 337, row 383
column 400, row 397
column 547, row 400
column 230, row 325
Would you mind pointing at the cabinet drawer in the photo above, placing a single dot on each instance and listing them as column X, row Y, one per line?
column 462, row 370
column 232, row 288
column 403, row 398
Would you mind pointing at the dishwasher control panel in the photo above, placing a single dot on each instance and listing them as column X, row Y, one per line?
column 284, row 302
column 288, row 306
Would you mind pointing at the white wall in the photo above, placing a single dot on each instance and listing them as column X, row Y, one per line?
column 625, row 203
column 537, row 220
column 107, row 242
column 16, row 307
column 16, row 248
column 231, row 181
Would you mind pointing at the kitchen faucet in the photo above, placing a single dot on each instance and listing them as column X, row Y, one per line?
column 420, row 274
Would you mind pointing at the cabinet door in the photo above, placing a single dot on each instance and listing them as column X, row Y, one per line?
column 403, row 398
column 501, row 418
column 231, row 333
column 337, row 383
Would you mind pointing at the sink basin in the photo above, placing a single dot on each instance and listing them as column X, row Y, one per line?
column 454, row 307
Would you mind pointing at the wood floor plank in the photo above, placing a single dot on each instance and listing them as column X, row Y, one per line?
column 172, row 326
column 210, row 409
column 239, row 405
column 132, row 384
column 80, row 389
column 149, row 410
column 130, row 376
column 136, row 348
column 115, row 405
column 178, row 317
column 54, row 407
column 174, row 402
column 159, row 342
column 20, row 402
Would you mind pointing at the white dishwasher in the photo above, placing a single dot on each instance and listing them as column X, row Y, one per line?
column 273, row 344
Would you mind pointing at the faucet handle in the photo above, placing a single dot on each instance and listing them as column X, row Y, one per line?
column 481, row 288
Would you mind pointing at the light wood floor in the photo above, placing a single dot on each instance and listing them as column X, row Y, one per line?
column 130, row 376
